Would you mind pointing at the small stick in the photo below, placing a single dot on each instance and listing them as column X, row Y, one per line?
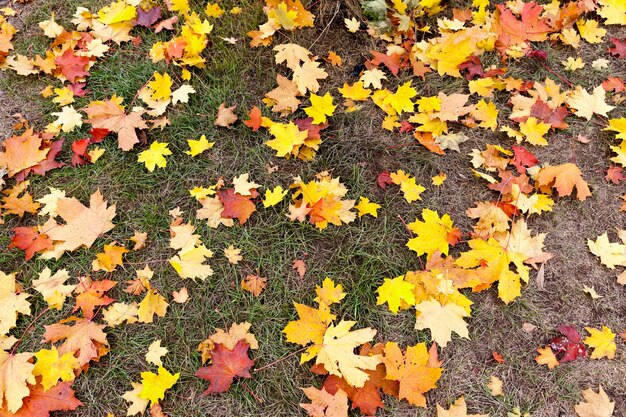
column 281, row 359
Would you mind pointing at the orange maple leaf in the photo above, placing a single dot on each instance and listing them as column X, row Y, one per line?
column 110, row 115
column 564, row 178
column 237, row 206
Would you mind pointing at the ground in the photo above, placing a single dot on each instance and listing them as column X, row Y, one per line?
column 358, row 255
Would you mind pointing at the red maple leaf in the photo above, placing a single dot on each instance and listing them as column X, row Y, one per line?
column 255, row 120
column 237, row 206
column 78, row 89
column 72, row 66
column 30, row 241
column 79, row 149
column 614, row 84
column 474, row 68
column 405, row 127
column 567, row 347
column 313, row 131
column 523, row 158
column 555, row 117
column 392, row 62
column 40, row 404
column 226, row 365
column 619, row 48
column 97, row 135
column 384, row 179
column 147, row 18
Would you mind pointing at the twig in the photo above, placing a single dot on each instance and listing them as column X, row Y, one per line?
column 256, row 397
column 28, row 328
column 281, row 359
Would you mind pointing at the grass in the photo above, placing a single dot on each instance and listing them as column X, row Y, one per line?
column 358, row 255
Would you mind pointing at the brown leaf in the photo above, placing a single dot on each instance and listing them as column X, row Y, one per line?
column 299, row 266
column 254, row 283
column 225, row 116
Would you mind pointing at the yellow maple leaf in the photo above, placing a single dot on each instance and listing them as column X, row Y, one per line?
column 50, row 27
column 155, row 155
column 161, row 87
column 400, row 101
column 329, row 293
column 52, row 287
column 213, row 10
column 590, row 31
column 365, row 206
column 432, row 233
column 273, row 197
column 458, row 409
column 153, row 386
column 117, row 313
column 587, row 104
column 390, row 122
column 321, row 106
column 494, row 261
column 573, row 64
column 117, row 12
column 397, row 293
column 12, row 302
column 411, row 190
column 52, row 367
column 15, row 373
column 309, row 328
column 487, row 113
column 155, row 351
column 153, row 303
column 338, row 357
column 610, row 254
column 533, row 130
column 355, row 92
column 110, row 259
column 67, row 120
column 196, row 147
column 287, row 138
column 138, row 405
column 614, row 11
column 619, row 126
column 602, row 342
column 439, row 179
column 442, row 320
column 190, row 262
